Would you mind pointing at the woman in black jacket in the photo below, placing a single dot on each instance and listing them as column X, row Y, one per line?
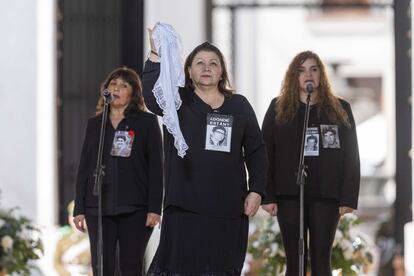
column 332, row 165
column 132, row 185
column 207, row 196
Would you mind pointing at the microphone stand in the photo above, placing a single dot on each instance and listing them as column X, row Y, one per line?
column 300, row 180
column 97, row 188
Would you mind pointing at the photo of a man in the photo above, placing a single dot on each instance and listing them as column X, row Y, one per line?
column 218, row 132
column 311, row 147
column 218, row 136
column 122, row 144
column 330, row 137
column 311, row 143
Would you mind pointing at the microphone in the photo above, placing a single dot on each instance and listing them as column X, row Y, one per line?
column 107, row 95
column 309, row 87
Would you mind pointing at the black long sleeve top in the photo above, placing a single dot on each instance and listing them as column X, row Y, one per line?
column 130, row 182
column 210, row 182
column 334, row 174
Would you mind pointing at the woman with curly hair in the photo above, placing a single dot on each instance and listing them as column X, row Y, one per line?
column 332, row 173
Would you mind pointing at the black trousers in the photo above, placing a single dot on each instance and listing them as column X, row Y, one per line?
column 320, row 221
column 127, row 230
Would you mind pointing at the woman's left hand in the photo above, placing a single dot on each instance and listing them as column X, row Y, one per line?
column 252, row 204
column 152, row 219
column 344, row 210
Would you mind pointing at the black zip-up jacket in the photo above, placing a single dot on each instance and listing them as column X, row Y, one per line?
column 335, row 172
column 129, row 183
column 210, row 182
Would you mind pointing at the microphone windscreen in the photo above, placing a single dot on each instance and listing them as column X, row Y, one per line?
column 107, row 95
column 309, row 87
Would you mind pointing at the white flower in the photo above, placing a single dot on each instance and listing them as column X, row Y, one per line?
column 348, row 251
column 347, row 248
column 252, row 228
column 274, row 247
column 338, row 237
column 351, row 216
column 7, row 243
column 275, row 227
column 353, row 234
column 24, row 234
column 348, row 254
column 2, row 222
column 256, row 244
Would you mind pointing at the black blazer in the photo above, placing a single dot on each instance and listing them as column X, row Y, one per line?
column 129, row 183
column 210, row 182
column 338, row 175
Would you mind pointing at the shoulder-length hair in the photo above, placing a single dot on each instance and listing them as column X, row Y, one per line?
column 131, row 77
column 288, row 102
column 224, row 83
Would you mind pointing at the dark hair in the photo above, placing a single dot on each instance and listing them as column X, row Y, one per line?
column 224, row 83
column 312, row 137
column 329, row 129
column 121, row 137
column 219, row 127
column 131, row 77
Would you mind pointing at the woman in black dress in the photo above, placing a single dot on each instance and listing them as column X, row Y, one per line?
column 333, row 169
column 207, row 197
column 132, row 185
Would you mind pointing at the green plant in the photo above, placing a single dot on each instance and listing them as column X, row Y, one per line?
column 20, row 243
column 349, row 253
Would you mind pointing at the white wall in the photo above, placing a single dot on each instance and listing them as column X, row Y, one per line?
column 18, row 106
column 46, row 113
column 186, row 16
column 27, row 106
column 27, row 114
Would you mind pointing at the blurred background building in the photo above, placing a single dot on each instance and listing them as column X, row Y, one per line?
column 55, row 53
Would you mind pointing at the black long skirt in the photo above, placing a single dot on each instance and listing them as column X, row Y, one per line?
column 192, row 244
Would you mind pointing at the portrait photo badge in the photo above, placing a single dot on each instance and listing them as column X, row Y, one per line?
column 311, row 142
column 218, row 132
column 122, row 144
column 330, row 137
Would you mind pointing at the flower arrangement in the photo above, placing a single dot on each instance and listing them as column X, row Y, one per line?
column 19, row 243
column 266, row 245
column 350, row 252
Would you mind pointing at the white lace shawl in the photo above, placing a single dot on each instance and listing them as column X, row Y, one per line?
column 168, row 45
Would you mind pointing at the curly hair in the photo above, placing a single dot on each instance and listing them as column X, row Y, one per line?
column 224, row 83
column 131, row 77
column 288, row 102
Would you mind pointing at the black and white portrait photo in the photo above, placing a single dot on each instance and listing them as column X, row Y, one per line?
column 122, row 144
column 311, row 142
column 218, row 136
column 218, row 133
column 330, row 136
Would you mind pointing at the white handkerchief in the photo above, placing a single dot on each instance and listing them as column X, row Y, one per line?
column 168, row 45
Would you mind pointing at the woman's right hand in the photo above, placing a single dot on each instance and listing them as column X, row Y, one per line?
column 153, row 54
column 151, row 40
column 271, row 208
column 79, row 222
